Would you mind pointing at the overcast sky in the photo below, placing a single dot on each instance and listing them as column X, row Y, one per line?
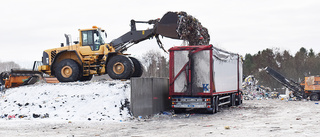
column 27, row 27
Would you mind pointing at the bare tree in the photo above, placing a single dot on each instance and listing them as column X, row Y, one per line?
column 156, row 64
column 7, row 66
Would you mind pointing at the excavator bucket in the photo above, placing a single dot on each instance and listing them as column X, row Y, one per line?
column 168, row 25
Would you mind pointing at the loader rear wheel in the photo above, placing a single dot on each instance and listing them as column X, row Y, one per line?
column 120, row 67
column 137, row 67
column 67, row 71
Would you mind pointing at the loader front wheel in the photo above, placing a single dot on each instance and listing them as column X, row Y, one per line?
column 67, row 71
column 120, row 67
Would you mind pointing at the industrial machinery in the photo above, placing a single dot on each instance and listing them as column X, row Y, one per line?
column 92, row 55
column 308, row 88
column 15, row 78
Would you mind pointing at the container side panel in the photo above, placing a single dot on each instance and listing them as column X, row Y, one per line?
column 180, row 59
column 201, row 72
column 240, row 74
column 225, row 74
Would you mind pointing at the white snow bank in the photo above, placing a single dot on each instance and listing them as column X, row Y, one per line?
column 98, row 101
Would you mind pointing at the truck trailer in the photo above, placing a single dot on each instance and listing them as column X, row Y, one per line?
column 204, row 77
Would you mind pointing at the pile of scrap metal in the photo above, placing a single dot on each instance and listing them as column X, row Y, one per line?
column 191, row 30
column 251, row 90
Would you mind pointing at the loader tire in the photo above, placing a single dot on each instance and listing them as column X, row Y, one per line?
column 67, row 71
column 137, row 67
column 86, row 78
column 120, row 67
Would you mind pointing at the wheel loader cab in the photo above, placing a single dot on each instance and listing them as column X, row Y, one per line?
column 93, row 38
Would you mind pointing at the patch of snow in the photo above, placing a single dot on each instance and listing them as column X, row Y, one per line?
column 97, row 101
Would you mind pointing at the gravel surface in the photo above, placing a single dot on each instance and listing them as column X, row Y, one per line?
column 252, row 118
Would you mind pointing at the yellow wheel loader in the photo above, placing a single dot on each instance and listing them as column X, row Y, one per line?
column 92, row 55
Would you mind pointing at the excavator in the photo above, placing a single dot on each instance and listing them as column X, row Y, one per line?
column 92, row 55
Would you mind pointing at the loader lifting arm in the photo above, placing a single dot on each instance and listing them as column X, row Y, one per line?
column 175, row 25
column 134, row 36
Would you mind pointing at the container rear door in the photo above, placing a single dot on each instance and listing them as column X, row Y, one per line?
column 201, row 72
column 180, row 60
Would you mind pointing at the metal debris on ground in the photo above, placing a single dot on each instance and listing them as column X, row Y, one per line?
column 191, row 30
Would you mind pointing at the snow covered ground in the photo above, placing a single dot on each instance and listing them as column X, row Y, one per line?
column 271, row 117
column 97, row 101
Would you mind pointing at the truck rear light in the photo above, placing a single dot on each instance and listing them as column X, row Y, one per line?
column 208, row 103
column 172, row 106
column 174, row 99
column 209, row 106
column 206, row 99
column 169, row 97
column 173, row 103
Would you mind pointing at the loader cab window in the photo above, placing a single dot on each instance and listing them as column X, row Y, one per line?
column 92, row 38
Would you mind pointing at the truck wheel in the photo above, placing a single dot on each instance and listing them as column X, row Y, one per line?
column 120, row 67
column 67, row 71
column 314, row 97
column 137, row 67
column 238, row 99
column 214, row 106
column 233, row 99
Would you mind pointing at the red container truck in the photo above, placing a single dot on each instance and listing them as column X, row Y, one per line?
column 204, row 77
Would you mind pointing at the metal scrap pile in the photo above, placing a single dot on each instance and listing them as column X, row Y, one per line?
column 191, row 30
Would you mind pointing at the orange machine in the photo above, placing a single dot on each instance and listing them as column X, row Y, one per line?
column 311, row 86
column 16, row 78
column 15, row 81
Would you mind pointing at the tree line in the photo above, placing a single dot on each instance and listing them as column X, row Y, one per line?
column 296, row 67
column 7, row 66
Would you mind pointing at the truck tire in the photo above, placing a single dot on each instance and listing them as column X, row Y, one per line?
column 314, row 97
column 233, row 100
column 238, row 99
column 216, row 104
column 67, row 71
column 137, row 67
column 120, row 67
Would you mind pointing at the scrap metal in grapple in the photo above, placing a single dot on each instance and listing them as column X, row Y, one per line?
column 190, row 29
column 180, row 25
